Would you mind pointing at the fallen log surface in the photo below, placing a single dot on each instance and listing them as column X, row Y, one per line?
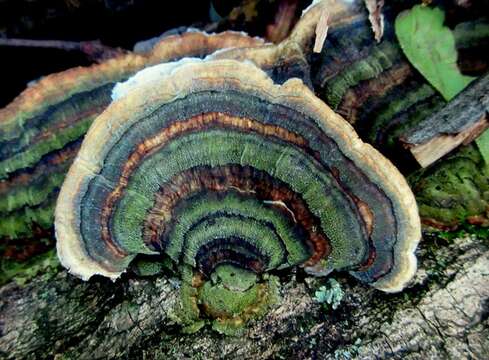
column 442, row 315
column 459, row 122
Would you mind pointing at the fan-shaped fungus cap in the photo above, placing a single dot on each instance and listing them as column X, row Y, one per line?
column 212, row 163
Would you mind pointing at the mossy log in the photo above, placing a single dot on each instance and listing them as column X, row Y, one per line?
column 442, row 315
column 454, row 190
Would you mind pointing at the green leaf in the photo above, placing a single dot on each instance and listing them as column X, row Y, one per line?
column 483, row 145
column 430, row 47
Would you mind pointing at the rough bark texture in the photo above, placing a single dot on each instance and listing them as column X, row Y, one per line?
column 444, row 314
column 460, row 121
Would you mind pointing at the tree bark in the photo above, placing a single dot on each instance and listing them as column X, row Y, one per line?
column 458, row 122
column 443, row 314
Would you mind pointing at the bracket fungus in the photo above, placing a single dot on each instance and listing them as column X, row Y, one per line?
column 289, row 58
column 229, row 174
column 41, row 132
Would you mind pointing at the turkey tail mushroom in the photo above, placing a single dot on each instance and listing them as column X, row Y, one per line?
column 212, row 163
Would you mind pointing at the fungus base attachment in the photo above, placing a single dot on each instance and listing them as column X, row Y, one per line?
column 228, row 299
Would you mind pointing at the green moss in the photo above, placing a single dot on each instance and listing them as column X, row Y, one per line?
column 222, row 302
column 231, row 309
column 187, row 311
column 193, row 327
column 454, row 189
column 463, row 230
column 234, row 278
column 147, row 267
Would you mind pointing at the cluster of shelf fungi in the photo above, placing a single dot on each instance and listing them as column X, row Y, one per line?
column 228, row 160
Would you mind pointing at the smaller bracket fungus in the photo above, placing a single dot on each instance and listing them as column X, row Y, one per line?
column 293, row 56
column 286, row 59
column 231, row 175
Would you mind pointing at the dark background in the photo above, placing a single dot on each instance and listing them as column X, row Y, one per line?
column 122, row 23
column 116, row 23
